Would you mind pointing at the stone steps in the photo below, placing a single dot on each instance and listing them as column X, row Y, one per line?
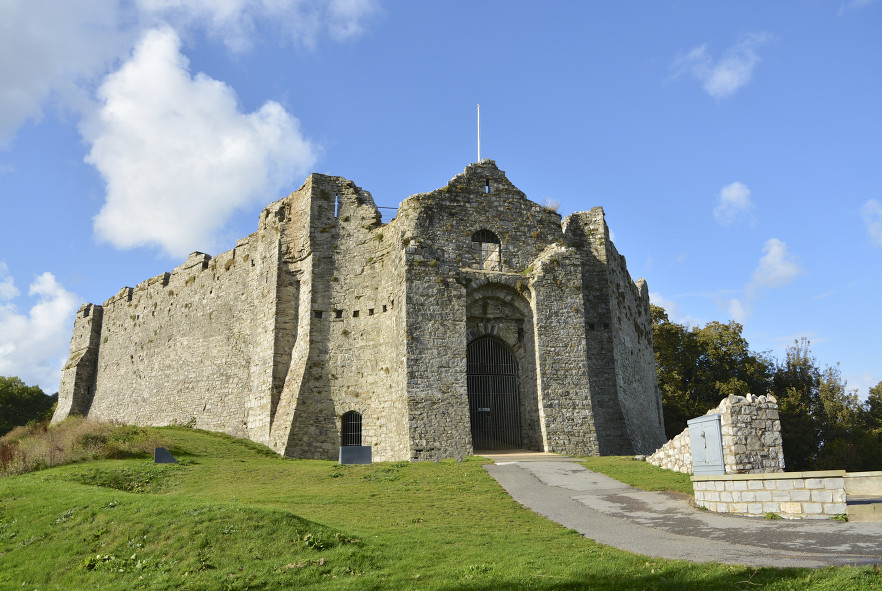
column 862, row 509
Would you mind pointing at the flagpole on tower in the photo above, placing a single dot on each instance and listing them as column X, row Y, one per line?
column 479, row 132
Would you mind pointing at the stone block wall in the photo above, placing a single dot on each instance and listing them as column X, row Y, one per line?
column 351, row 357
column 751, row 433
column 792, row 495
column 78, row 376
column 564, row 386
column 675, row 455
column 325, row 309
column 587, row 232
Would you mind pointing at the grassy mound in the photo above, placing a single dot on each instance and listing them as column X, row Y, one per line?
column 232, row 516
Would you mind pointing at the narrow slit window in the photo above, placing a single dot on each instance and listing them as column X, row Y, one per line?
column 487, row 186
column 350, row 428
column 338, row 313
column 487, row 250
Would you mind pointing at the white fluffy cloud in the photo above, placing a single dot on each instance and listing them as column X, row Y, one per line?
column 178, row 155
column 34, row 345
column 51, row 50
column 854, row 5
column 737, row 310
column 7, row 284
column 47, row 48
column 777, row 267
column 300, row 21
column 734, row 204
column 871, row 211
column 733, row 70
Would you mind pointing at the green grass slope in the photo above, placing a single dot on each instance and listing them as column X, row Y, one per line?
column 233, row 515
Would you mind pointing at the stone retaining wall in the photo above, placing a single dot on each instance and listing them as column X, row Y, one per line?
column 792, row 495
column 751, row 438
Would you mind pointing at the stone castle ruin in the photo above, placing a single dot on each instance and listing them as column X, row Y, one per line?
column 475, row 319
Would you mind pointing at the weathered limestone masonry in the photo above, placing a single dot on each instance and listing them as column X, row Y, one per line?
column 751, row 438
column 325, row 311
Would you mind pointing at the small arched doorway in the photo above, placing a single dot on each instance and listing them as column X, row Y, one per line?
column 494, row 404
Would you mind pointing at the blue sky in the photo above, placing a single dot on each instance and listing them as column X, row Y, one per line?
column 735, row 147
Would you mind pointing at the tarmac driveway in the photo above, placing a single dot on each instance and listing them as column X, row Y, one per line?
column 665, row 525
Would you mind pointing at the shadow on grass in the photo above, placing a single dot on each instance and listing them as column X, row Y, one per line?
column 685, row 576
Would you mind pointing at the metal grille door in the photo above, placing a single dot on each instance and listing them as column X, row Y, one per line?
column 494, row 406
column 351, row 428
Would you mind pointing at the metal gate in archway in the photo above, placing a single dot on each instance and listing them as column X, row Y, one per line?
column 494, row 405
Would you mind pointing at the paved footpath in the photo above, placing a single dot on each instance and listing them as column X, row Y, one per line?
column 664, row 525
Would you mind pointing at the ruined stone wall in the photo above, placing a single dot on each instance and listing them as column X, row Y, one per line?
column 674, row 455
column 365, row 367
column 78, row 376
column 438, row 227
column 354, row 360
column 442, row 268
column 480, row 198
column 618, row 329
column 636, row 380
column 568, row 420
column 435, row 333
column 191, row 345
column 586, row 231
column 325, row 310
column 199, row 345
column 751, row 434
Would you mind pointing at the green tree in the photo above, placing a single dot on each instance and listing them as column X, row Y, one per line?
column 823, row 424
column 698, row 367
column 795, row 384
column 866, row 452
column 676, row 359
column 843, row 437
column 873, row 409
column 21, row 404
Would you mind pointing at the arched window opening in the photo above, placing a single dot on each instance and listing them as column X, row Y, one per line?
column 350, row 428
column 487, row 250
